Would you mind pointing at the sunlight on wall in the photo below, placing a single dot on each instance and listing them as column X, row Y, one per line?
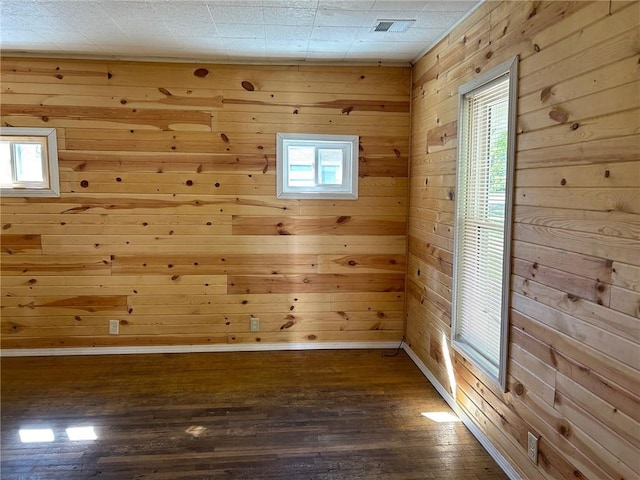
column 449, row 365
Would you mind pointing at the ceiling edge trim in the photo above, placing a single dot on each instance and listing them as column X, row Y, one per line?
column 199, row 60
column 447, row 32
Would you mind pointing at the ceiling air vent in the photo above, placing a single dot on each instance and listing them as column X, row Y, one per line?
column 393, row 26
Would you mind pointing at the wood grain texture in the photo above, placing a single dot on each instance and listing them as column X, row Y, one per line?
column 168, row 220
column 168, row 211
column 574, row 366
column 259, row 415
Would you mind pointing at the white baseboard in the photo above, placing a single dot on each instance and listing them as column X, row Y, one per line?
column 237, row 347
column 473, row 428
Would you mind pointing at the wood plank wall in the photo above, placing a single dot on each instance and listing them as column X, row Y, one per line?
column 168, row 220
column 574, row 364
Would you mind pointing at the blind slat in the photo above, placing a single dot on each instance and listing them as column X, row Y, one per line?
column 480, row 220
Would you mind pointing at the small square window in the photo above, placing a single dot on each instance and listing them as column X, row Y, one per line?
column 317, row 166
column 28, row 162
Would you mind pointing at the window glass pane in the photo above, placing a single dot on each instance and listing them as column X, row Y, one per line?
column 5, row 163
column 301, row 166
column 330, row 161
column 312, row 166
column 498, row 118
column 29, row 162
column 481, row 211
column 29, row 165
column 480, row 307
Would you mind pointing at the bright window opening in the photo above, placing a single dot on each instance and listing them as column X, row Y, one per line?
column 486, row 144
column 28, row 162
column 317, row 166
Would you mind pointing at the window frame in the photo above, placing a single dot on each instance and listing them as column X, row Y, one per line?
column 346, row 190
column 470, row 352
column 50, row 186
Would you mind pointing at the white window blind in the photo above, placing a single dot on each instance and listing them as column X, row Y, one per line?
column 483, row 221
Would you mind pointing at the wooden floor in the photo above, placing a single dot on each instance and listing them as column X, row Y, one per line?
column 251, row 415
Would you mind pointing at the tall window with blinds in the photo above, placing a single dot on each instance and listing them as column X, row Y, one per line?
column 486, row 145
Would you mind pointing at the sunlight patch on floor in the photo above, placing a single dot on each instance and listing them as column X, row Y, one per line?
column 441, row 417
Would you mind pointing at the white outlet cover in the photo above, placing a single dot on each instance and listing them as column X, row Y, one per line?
column 254, row 324
column 532, row 447
column 114, row 327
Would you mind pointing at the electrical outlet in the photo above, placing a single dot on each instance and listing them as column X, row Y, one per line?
column 114, row 327
column 532, row 447
column 254, row 324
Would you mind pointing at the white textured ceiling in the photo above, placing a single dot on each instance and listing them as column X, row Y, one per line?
column 259, row 31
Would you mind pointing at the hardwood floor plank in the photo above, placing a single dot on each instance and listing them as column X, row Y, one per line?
column 251, row 415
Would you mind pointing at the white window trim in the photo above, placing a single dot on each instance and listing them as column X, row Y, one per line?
column 49, row 134
column 509, row 68
column 348, row 190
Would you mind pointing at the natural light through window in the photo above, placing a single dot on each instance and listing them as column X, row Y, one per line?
column 36, row 435
column 317, row 166
column 196, row 430
column 486, row 145
column 28, row 162
column 441, row 417
column 76, row 434
column 447, row 362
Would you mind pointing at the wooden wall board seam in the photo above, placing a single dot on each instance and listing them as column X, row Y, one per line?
column 556, row 429
column 168, row 217
column 572, row 223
